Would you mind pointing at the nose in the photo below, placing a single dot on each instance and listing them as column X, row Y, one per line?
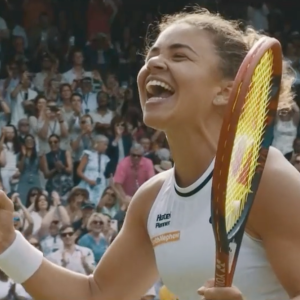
column 156, row 63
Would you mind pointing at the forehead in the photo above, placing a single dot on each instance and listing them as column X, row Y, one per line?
column 183, row 33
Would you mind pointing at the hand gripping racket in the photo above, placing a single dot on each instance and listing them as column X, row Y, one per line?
column 246, row 135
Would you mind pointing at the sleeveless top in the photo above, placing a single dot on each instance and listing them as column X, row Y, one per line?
column 284, row 134
column 184, row 245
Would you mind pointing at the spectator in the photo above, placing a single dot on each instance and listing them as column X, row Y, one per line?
column 109, row 202
column 10, row 144
column 28, row 166
column 92, row 169
column 20, row 99
column 120, row 142
column 132, row 172
column 297, row 163
column 80, row 142
column 57, row 168
column 89, row 103
column 31, row 196
column 285, row 130
column 163, row 166
column 19, row 52
column 71, row 256
column 4, row 112
column 74, row 122
column 23, row 130
column 296, row 150
column 95, row 239
column 102, row 116
column 65, row 92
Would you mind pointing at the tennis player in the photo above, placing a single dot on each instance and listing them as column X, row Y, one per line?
column 184, row 88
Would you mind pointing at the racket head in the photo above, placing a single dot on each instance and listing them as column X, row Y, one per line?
column 246, row 135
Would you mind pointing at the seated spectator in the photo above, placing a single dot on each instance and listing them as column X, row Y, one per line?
column 89, row 99
column 108, row 230
column 80, row 226
column 74, row 122
column 20, row 99
column 108, row 203
column 81, row 141
column 65, row 93
column 132, row 172
column 57, row 168
column 28, row 166
column 285, row 130
column 120, row 143
column 10, row 144
column 164, row 165
column 148, row 151
column 95, row 240
column 92, row 169
column 76, row 199
column 23, row 130
column 102, row 116
column 31, row 196
column 71, row 256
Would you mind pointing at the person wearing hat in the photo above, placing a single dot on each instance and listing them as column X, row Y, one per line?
column 89, row 99
column 163, row 166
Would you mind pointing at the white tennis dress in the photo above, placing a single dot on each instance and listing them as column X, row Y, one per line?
column 184, row 245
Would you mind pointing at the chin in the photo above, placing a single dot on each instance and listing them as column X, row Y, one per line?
column 157, row 120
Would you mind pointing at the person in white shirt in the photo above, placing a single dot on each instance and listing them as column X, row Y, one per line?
column 71, row 256
column 20, row 99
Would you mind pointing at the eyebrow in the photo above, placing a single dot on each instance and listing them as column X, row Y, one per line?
column 173, row 47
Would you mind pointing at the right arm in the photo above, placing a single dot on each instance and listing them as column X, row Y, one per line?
column 44, row 166
column 109, row 281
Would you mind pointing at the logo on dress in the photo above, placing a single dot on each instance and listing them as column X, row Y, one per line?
column 162, row 220
column 165, row 238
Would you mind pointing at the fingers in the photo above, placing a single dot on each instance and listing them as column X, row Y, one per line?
column 209, row 292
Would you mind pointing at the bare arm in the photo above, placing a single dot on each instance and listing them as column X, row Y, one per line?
column 81, row 167
column 2, row 158
column 44, row 166
column 116, row 276
column 15, row 92
column 275, row 220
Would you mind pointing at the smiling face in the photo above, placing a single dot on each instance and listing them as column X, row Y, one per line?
column 180, row 77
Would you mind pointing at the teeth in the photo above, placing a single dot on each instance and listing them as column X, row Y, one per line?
column 158, row 83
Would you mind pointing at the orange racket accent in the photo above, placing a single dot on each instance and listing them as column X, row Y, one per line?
column 246, row 135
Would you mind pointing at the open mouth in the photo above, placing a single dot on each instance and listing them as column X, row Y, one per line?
column 159, row 90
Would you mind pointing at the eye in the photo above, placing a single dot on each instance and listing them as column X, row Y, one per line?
column 179, row 57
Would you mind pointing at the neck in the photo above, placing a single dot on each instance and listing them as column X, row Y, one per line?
column 69, row 248
column 201, row 143
column 77, row 68
column 95, row 234
column 42, row 213
column 102, row 109
column 66, row 103
column 24, row 89
column 28, row 152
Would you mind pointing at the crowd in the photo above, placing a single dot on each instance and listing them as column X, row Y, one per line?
column 73, row 146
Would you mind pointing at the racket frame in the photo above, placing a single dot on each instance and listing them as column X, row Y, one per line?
column 226, row 261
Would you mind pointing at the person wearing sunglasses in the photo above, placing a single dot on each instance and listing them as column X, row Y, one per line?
column 95, row 240
column 132, row 172
column 71, row 256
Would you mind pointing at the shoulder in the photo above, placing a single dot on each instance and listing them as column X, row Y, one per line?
column 277, row 199
column 145, row 196
column 84, row 250
column 87, row 152
column 148, row 161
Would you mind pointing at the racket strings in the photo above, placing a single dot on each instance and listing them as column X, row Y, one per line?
column 248, row 140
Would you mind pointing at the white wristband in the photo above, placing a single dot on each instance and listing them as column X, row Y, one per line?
column 20, row 260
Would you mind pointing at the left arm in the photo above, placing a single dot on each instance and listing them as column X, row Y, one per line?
column 274, row 219
column 69, row 166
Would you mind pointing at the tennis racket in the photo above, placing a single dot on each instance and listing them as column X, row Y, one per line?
column 246, row 135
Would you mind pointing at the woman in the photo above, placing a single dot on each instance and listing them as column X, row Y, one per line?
column 52, row 123
column 120, row 143
column 57, row 168
column 109, row 203
column 81, row 141
column 11, row 146
column 28, row 165
column 92, row 169
column 198, row 56
column 31, row 196
column 40, row 109
column 286, row 128
column 95, row 240
column 74, row 122
column 74, row 203
column 65, row 91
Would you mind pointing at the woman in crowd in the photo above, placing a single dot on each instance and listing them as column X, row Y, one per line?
column 65, row 91
column 28, row 165
column 74, row 203
column 285, row 130
column 39, row 117
column 74, row 122
column 108, row 203
column 92, row 169
column 57, row 168
column 81, row 141
column 11, row 147
column 120, row 143
column 95, row 240
column 31, row 196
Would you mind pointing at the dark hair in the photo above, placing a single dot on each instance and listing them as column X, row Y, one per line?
column 64, row 227
column 87, row 117
column 76, row 95
column 34, row 155
column 39, row 191
column 36, row 203
column 36, row 100
column 63, row 85
column 116, row 120
column 16, row 142
column 53, row 135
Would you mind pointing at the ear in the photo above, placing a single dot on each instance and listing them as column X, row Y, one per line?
column 222, row 97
